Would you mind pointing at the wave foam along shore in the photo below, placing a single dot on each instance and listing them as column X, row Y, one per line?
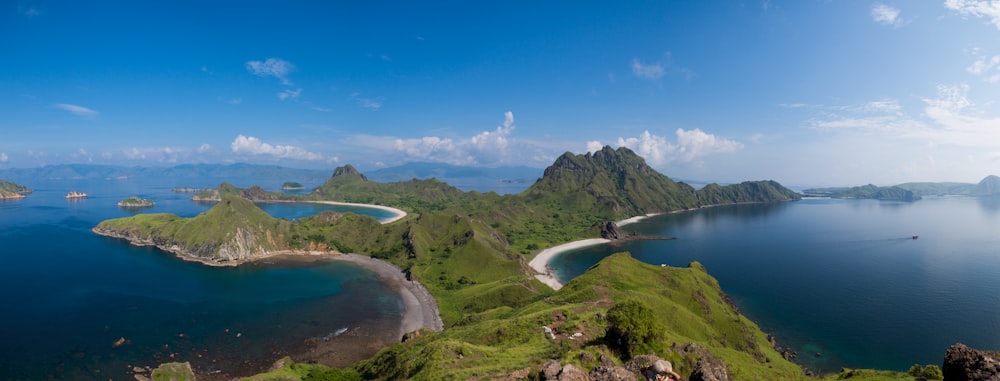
column 397, row 213
column 541, row 261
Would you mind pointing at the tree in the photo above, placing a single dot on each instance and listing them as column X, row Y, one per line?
column 634, row 326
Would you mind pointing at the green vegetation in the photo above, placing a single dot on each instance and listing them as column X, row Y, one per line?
column 135, row 202
column 470, row 250
column 867, row 191
column 291, row 371
column 291, row 185
column 173, row 371
column 12, row 190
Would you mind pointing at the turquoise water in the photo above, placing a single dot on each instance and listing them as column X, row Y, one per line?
column 69, row 294
column 843, row 277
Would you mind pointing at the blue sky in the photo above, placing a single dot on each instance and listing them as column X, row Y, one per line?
column 803, row 92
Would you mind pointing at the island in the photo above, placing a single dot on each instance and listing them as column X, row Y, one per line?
column 893, row 193
column 135, row 202
column 470, row 252
column 75, row 195
column 10, row 190
column 291, row 185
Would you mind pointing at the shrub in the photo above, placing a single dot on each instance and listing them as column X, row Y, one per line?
column 634, row 327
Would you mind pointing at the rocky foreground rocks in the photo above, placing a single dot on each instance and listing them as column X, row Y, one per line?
column 964, row 363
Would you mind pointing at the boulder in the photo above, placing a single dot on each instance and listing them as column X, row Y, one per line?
column 550, row 372
column 611, row 373
column 709, row 367
column 964, row 363
column 611, row 231
column 571, row 373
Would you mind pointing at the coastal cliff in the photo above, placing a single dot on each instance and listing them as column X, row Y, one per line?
column 470, row 250
column 234, row 230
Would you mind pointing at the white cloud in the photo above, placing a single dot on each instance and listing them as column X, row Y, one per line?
column 433, row 148
column 205, row 148
column 652, row 71
column 249, row 145
column 487, row 148
column 949, row 118
column 369, row 103
column 889, row 106
column 691, row 145
column 594, row 146
column 3, row 157
column 497, row 139
column 989, row 69
column 272, row 67
column 886, row 15
column 290, row 94
column 77, row 110
column 977, row 8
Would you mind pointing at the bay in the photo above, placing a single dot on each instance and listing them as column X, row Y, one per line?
column 69, row 294
column 842, row 278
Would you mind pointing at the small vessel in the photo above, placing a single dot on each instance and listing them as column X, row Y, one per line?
column 72, row 195
column 915, row 236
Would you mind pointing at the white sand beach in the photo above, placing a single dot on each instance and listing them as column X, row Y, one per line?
column 398, row 214
column 541, row 261
column 420, row 309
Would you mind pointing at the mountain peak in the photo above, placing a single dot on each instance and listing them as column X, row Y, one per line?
column 348, row 171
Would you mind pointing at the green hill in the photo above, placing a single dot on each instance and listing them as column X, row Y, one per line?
column 10, row 190
column 470, row 250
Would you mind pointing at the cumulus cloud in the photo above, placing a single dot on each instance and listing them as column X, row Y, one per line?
column 886, row 15
column 205, row 148
column 272, row 67
column 290, row 94
column 651, row 71
column 77, row 110
column 691, row 145
column 989, row 9
column 594, row 146
column 490, row 147
column 249, row 145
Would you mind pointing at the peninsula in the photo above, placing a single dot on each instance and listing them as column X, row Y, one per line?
column 471, row 251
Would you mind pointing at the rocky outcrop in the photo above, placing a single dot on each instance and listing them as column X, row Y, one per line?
column 348, row 171
column 610, row 230
column 708, row 367
column 964, row 363
column 611, row 373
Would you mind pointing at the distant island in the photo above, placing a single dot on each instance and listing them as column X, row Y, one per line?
column 10, row 190
column 988, row 186
column 135, row 202
column 869, row 191
column 291, row 185
column 76, row 195
column 190, row 190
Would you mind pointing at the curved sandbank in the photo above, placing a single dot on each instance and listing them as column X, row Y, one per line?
column 397, row 214
column 420, row 309
column 540, row 263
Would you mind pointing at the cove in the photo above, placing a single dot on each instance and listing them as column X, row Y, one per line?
column 841, row 278
column 70, row 295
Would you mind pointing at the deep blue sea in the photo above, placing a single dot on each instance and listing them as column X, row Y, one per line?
column 69, row 294
column 842, row 278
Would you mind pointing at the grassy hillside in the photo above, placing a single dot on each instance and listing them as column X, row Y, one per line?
column 687, row 302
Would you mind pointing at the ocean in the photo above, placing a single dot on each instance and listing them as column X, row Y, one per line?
column 842, row 282
column 69, row 295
